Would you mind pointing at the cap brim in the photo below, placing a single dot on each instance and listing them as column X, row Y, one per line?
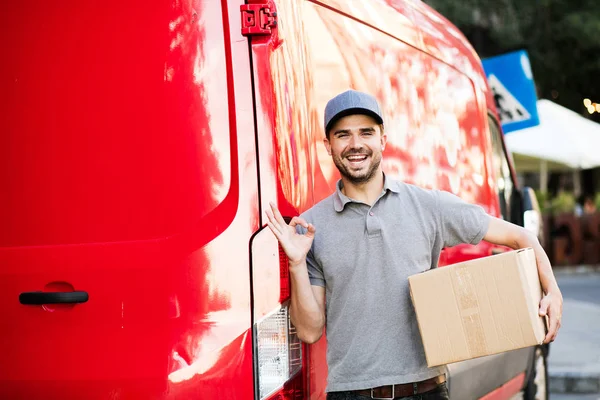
column 352, row 111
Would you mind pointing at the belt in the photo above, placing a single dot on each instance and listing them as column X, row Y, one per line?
column 404, row 390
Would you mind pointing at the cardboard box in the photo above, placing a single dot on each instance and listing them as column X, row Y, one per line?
column 479, row 307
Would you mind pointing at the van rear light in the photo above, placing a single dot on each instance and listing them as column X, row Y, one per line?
column 292, row 389
column 279, row 357
column 280, row 363
column 284, row 276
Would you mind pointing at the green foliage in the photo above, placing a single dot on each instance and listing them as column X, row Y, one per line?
column 561, row 36
column 597, row 201
column 564, row 202
column 542, row 199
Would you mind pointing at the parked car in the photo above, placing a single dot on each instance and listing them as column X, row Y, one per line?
column 142, row 142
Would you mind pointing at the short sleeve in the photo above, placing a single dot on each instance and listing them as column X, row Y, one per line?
column 315, row 271
column 460, row 222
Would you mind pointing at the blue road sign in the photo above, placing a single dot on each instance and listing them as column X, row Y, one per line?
column 510, row 78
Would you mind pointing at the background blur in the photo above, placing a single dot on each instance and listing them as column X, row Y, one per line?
column 562, row 38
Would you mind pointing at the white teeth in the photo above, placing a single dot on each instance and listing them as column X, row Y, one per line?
column 356, row 158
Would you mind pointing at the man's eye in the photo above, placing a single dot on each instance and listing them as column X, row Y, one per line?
column 342, row 135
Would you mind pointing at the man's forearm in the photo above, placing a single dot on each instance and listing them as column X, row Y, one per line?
column 544, row 267
column 305, row 311
column 511, row 235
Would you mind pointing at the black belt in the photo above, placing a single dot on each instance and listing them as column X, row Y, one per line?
column 403, row 390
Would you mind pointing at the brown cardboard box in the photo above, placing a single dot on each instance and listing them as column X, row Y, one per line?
column 479, row 307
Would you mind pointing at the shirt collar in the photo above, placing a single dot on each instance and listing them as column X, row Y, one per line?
column 340, row 199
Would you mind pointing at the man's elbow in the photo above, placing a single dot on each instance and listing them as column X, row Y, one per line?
column 309, row 336
column 525, row 238
column 508, row 234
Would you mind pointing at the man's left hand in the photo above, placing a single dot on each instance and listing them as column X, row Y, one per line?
column 551, row 306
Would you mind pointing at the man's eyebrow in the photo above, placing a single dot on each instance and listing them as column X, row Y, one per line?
column 341, row 131
column 371, row 129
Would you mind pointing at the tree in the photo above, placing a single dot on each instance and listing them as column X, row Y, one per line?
column 562, row 38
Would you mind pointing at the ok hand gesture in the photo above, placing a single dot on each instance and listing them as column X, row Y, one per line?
column 295, row 245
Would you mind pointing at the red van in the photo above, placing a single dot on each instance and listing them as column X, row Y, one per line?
column 142, row 142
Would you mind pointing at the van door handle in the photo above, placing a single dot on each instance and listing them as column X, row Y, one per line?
column 39, row 298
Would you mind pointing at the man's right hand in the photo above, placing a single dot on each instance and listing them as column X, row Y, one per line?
column 295, row 245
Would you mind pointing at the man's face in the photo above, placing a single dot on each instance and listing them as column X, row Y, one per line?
column 355, row 143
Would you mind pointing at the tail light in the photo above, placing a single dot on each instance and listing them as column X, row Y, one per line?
column 281, row 372
column 284, row 276
column 279, row 354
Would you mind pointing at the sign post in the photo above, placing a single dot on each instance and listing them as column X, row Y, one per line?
column 511, row 80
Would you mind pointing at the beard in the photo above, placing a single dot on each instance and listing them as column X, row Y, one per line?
column 362, row 176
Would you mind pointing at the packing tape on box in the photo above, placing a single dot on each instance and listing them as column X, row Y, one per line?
column 470, row 312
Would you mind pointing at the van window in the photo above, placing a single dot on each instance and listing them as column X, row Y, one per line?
column 502, row 173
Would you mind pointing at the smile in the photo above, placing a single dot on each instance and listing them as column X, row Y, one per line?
column 357, row 158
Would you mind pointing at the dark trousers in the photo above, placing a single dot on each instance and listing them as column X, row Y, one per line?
column 439, row 393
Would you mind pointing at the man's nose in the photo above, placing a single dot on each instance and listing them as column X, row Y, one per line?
column 355, row 141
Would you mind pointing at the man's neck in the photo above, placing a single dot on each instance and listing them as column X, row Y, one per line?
column 367, row 192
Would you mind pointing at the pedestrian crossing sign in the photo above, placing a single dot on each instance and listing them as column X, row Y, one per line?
column 511, row 82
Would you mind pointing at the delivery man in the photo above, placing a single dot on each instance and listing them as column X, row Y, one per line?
column 351, row 254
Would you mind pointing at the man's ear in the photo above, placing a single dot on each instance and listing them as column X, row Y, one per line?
column 327, row 145
column 383, row 140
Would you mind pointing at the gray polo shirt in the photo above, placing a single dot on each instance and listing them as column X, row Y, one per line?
column 363, row 256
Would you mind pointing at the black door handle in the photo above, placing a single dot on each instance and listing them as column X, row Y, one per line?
column 39, row 298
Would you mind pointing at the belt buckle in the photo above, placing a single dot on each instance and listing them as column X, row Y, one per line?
column 385, row 398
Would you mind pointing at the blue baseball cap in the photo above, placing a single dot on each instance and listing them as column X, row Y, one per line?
column 351, row 102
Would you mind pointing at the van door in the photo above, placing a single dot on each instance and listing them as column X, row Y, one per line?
column 128, row 201
column 284, row 124
column 503, row 374
column 284, row 137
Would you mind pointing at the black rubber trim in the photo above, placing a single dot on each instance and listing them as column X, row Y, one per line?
column 39, row 298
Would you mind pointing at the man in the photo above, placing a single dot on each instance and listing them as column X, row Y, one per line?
column 357, row 248
column 589, row 206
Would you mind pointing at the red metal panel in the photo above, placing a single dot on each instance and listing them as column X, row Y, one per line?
column 127, row 178
column 284, row 130
column 508, row 390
